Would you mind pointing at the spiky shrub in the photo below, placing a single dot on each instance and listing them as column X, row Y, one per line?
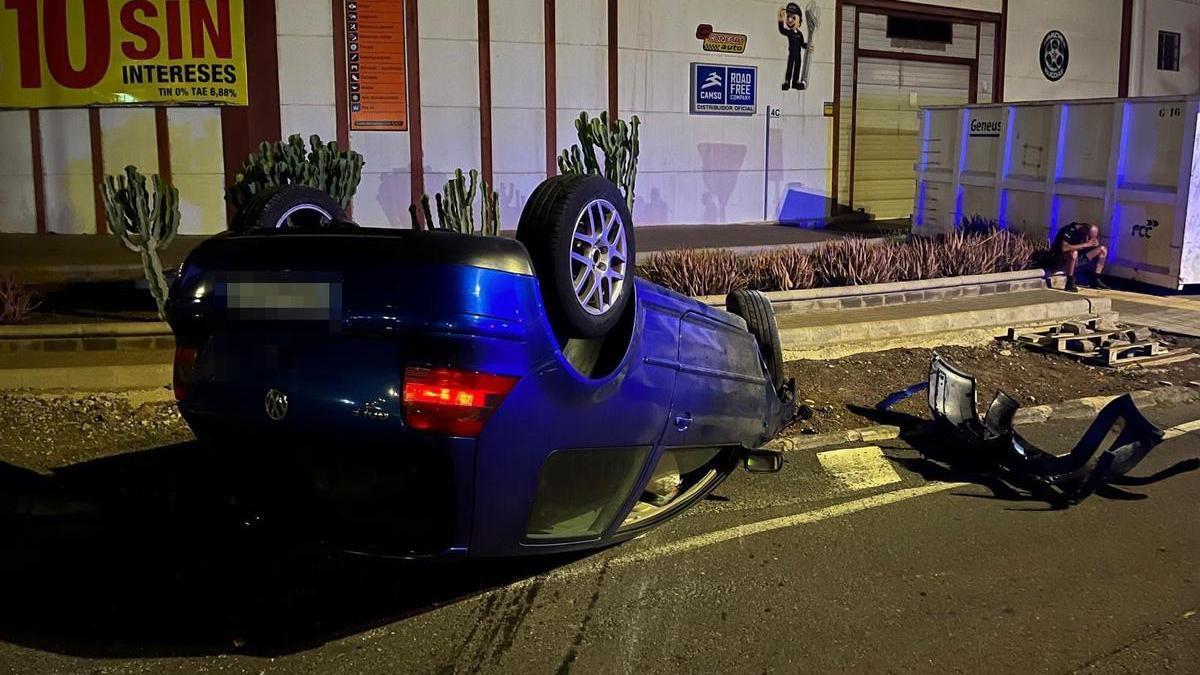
column 144, row 223
column 852, row 262
column 784, row 269
column 456, row 206
column 916, row 258
column 697, row 272
column 321, row 165
column 619, row 143
column 843, row 262
column 17, row 302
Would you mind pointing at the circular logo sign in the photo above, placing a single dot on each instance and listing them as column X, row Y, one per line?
column 1055, row 56
column 276, row 404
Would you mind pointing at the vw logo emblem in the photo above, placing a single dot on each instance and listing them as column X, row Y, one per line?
column 276, row 404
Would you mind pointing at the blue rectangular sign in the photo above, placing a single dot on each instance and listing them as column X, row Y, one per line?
column 724, row 90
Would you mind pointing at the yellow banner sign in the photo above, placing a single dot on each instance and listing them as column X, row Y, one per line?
column 67, row 53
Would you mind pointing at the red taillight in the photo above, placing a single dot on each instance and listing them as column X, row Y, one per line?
column 185, row 367
column 452, row 402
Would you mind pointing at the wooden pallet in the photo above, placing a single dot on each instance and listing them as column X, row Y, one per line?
column 1092, row 342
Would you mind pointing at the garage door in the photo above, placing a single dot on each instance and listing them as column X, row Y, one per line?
column 890, row 92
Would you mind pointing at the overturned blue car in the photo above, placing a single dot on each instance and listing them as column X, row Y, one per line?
column 440, row 394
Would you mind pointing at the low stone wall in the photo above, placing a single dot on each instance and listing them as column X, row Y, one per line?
column 879, row 295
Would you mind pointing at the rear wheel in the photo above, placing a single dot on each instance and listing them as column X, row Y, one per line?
column 295, row 206
column 579, row 235
column 755, row 308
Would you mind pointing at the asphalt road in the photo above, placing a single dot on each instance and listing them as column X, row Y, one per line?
column 906, row 567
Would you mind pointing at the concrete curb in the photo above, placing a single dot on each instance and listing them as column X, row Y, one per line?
column 881, row 432
column 946, row 322
column 94, row 273
column 1080, row 408
column 1085, row 408
column 901, row 287
column 140, row 376
column 134, row 397
column 85, row 330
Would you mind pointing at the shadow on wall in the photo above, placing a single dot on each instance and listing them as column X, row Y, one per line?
column 393, row 196
column 721, row 164
column 652, row 210
column 512, row 202
column 394, row 199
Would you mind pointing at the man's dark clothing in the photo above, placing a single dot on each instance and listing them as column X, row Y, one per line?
column 1073, row 234
column 796, row 48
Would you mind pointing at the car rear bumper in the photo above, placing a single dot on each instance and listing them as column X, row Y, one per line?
column 405, row 495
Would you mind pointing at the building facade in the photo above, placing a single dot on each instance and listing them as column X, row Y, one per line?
column 497, row 85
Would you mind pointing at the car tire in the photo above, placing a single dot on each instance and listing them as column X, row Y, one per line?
column 755, row 308
column 576, row 227
column 283, row 206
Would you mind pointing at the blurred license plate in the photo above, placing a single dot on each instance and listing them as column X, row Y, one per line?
column 270, row 299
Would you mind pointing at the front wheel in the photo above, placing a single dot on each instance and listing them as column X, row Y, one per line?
column 290, row 206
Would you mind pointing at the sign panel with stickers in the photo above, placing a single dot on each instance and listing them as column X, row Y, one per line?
column 377, row 73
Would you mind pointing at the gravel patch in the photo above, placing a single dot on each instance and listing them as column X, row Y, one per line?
column 41, row 432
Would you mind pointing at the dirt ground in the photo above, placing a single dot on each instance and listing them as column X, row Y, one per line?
column 1034, row 378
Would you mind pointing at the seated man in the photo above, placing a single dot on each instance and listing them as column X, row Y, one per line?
column 1081, row 240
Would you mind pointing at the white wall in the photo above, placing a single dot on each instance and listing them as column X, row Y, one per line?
column 449, row 88
column 67, row 160
column 581, row 56
column 198, row 168
column 693, row 168
column 1093, row 32
column 1150, row 17
column 710, row 169
column 306, row 86
column 518, row 104
column 17, row 210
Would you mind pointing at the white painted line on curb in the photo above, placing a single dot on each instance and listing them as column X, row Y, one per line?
column 859, row 468
column 1182, row 430
column 700, row 541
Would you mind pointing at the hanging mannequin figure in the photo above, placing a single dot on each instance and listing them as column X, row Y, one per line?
column 790, row 20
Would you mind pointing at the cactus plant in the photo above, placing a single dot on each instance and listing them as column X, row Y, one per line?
column 456, row 206
column 459, row 198
column 143, row 223
column 619, row 143
column 324, row 166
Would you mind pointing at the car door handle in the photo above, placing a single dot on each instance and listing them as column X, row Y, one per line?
column 682, row 422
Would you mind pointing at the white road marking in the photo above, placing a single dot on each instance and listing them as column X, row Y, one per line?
column 859, row 468
column 1182, row 430
column 700, row 541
